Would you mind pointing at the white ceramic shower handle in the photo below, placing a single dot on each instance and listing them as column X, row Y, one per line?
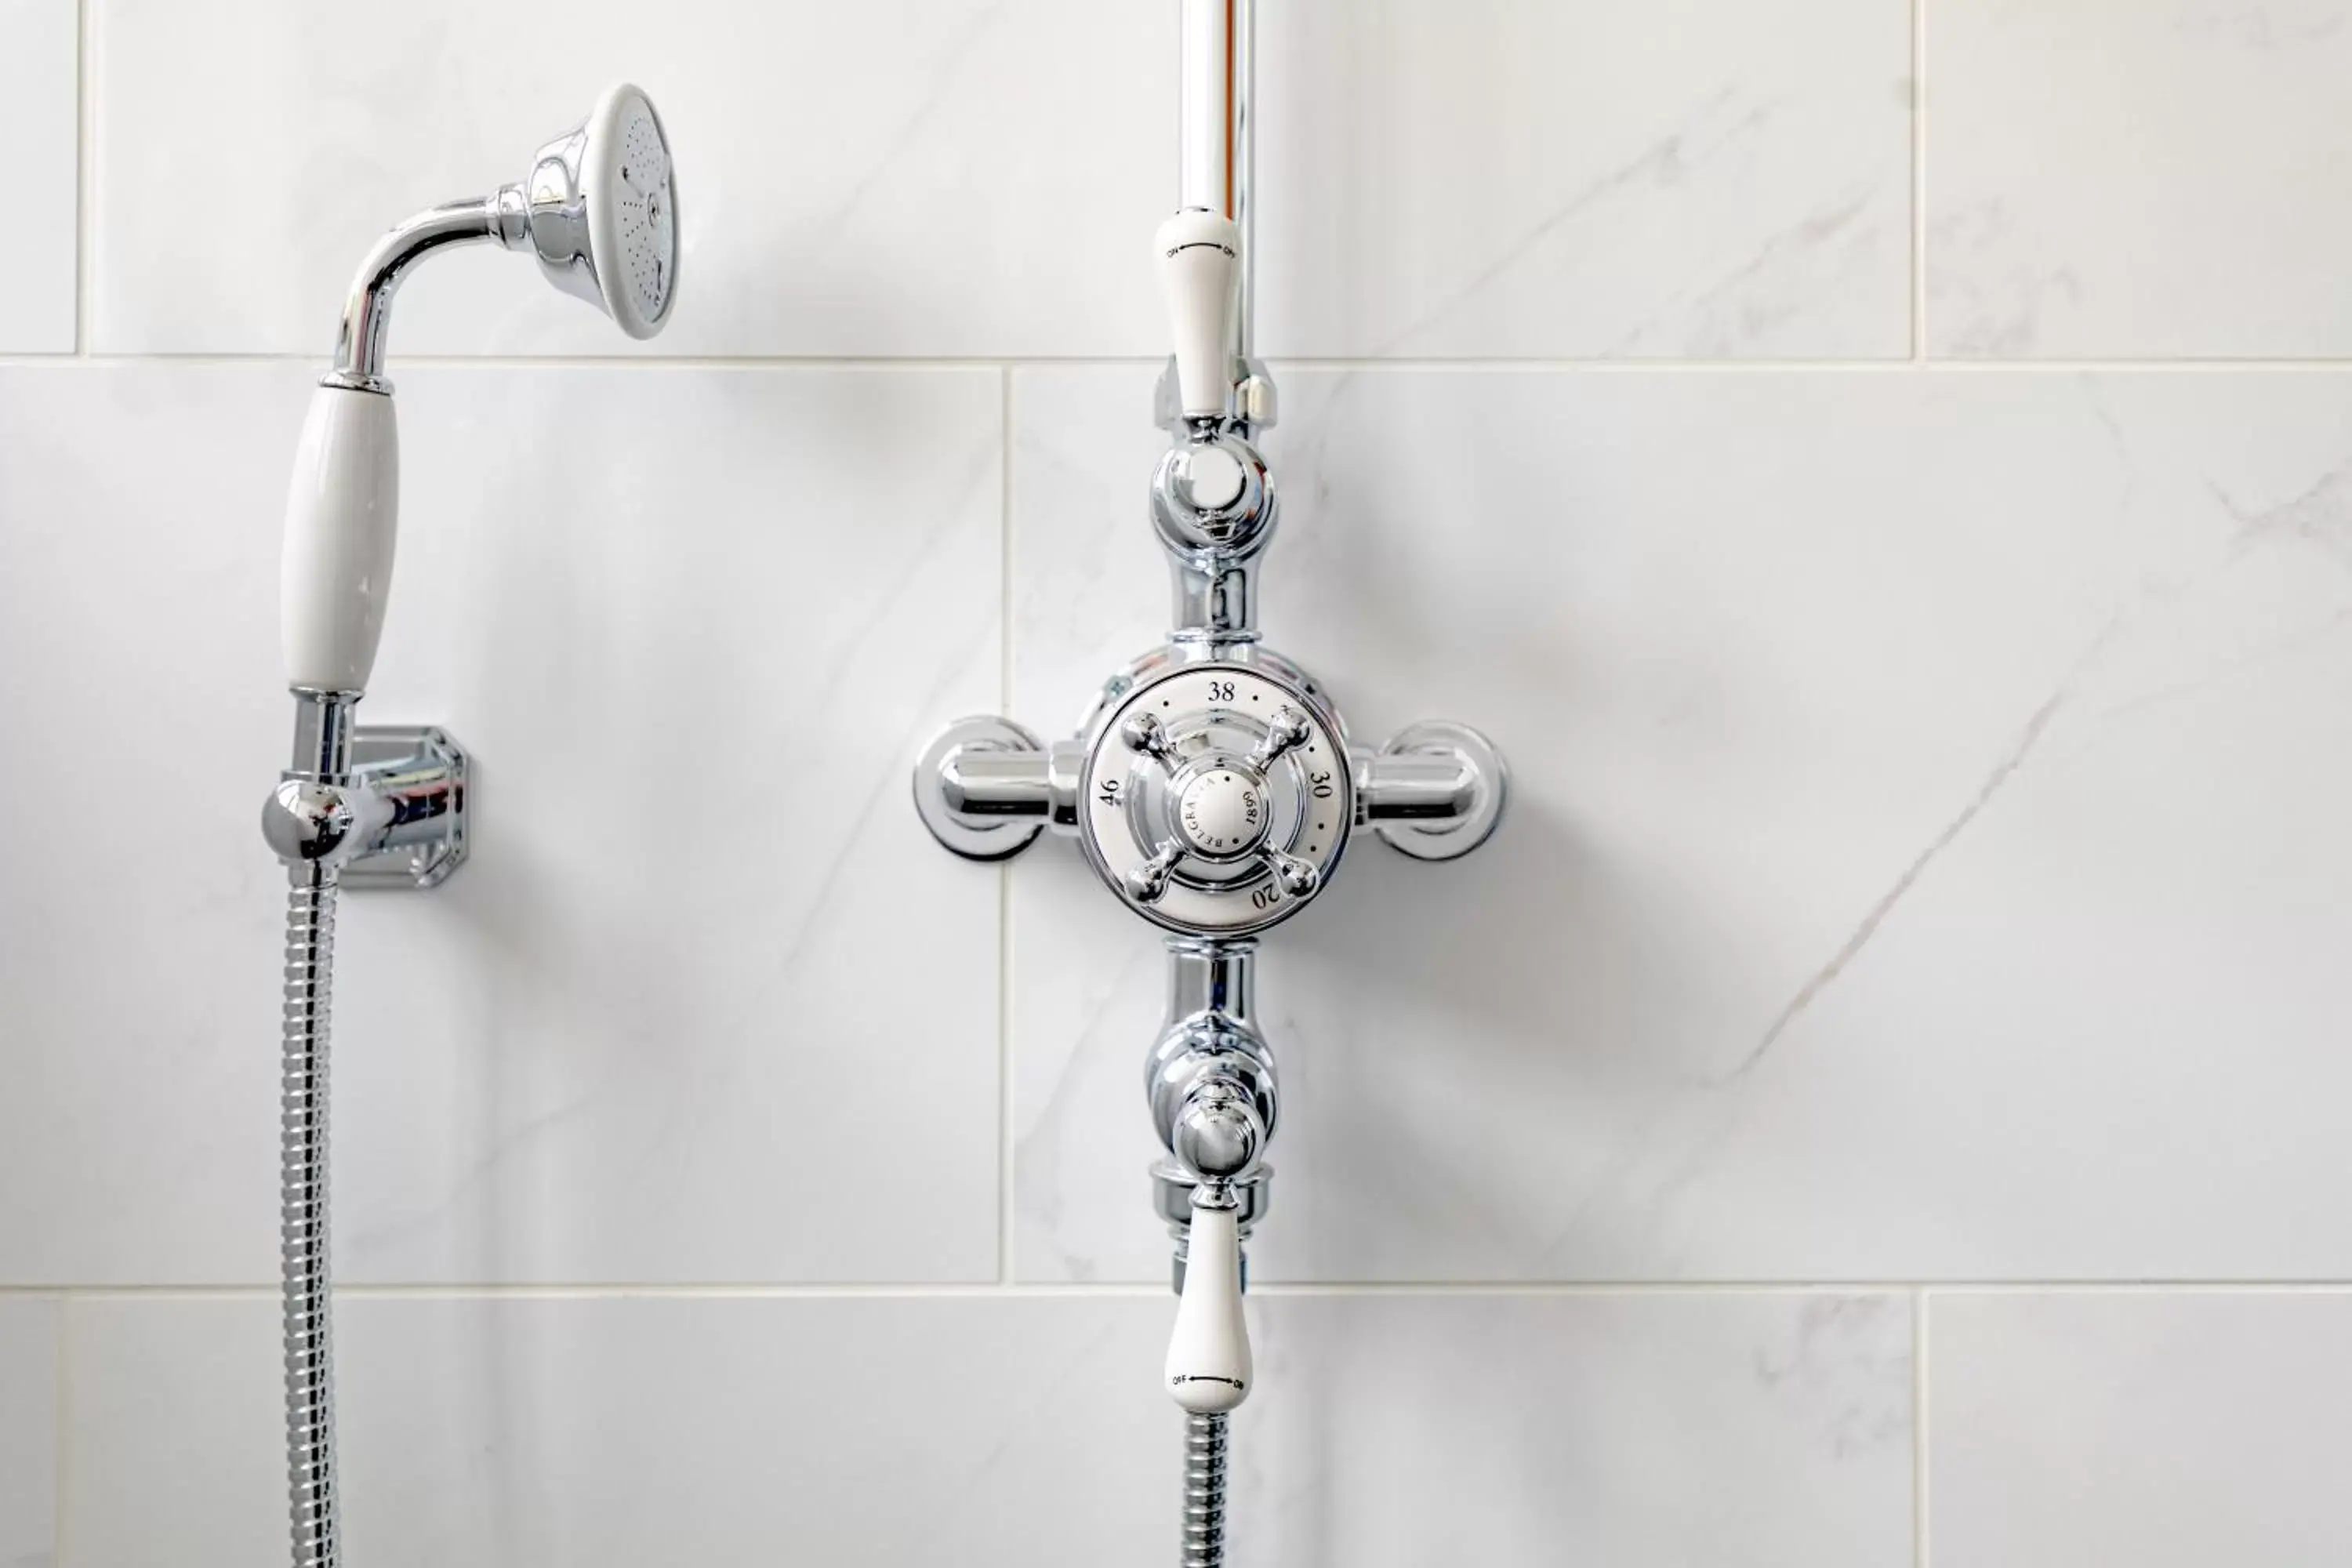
column 342, row 511
column 1209, row 1354
column 1200, row 272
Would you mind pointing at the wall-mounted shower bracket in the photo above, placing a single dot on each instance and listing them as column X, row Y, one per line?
column 421, row 774
column 381, row 806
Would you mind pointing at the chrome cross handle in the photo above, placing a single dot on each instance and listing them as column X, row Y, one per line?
column 1216, row 797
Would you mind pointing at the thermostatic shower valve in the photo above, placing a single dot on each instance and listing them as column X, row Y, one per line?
column 1212, row 785
column 1217, row 798
column 1213, row 789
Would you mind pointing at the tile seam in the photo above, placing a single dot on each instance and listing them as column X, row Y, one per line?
column 1005, row 1262
column 752, row 363
column 987, row 1287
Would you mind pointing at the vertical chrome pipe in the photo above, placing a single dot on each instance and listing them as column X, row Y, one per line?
column 1209, row 976
column 1203, row 115
column 1216, row 165
column 1241, row 129
column 322, row 736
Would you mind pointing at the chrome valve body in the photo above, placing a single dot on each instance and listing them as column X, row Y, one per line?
column 1212, row 787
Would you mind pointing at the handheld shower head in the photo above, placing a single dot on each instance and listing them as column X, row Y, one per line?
column 599, row 209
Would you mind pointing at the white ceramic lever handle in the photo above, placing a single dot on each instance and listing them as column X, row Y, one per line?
column 342, row 511
column 1209, row 1354
column 1200, row 271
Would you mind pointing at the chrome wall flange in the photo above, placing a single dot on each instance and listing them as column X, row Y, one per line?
column 1446, row 808
column 421, row 774
column 387, row 811
column 984, row 788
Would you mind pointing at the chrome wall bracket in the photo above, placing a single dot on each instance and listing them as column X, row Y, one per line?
column 421, row 772
column 383, row 806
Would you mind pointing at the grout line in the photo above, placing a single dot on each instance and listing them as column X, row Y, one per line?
column 1919, row 1430
column 1919, row 181
column 85, row 123
column 1004, row 1259
column 1005, row 1268
column 752, row 363
column 982, row 1289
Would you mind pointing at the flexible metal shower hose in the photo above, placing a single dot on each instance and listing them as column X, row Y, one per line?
column 303, row 1230
column 1205, row 1491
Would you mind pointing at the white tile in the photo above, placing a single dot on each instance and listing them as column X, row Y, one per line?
column 1928, row 826
column 2166, row 1430
column 920, row 177
column 691, row 624
column 942, row 177
column 1685, row 178
column 1657, row 1431
column 2110, row 178
column 40, row 124
column 1639, row 1430
column 612, row 1432
column 28, row 1431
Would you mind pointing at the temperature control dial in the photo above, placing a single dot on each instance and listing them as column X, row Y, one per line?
column 1216, row 797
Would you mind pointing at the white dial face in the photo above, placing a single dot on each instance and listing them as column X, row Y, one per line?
column 648, row 220
column 1220, row 813
column 1216, row 797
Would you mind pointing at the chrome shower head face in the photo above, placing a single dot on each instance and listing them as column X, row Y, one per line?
column 600, row 208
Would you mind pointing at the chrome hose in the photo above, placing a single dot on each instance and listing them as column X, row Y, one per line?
column 1204, row 1490
column 302, row 1227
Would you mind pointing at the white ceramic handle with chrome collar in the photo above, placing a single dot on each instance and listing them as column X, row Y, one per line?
column 1208, row 1367
column 342, row 512
column 1199, row 273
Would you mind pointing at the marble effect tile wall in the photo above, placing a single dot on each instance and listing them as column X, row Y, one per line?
column 1923, row 903
column 30, row 1395
column 667, row 1001
column 1009, row 1430
column 1698, row 181
column 2107, row 179
column 1924, row 778
column 2167, row 1429
column 40, row 107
